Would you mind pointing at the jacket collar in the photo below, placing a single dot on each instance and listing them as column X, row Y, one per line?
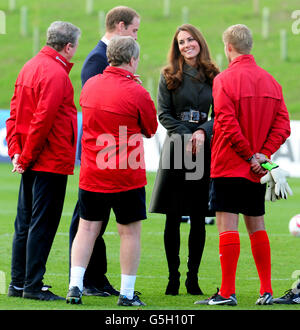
column 105, row 40
column 102, row 43
column 119, row 71
column 190, row 70
column 243, row 59
column 57, row 57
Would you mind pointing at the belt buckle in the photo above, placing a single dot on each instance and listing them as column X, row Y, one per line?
column 194, row 116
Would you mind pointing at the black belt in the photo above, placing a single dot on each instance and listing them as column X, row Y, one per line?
column 193, row 116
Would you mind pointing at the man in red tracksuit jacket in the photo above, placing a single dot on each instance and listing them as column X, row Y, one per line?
column 41, row 138
column 124, row 21
column 117, row 112
column 250, row 118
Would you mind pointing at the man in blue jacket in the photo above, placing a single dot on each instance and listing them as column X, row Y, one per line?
column 122, row 21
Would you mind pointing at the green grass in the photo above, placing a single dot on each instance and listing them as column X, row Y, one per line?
column 210, row 16
column 152, row 273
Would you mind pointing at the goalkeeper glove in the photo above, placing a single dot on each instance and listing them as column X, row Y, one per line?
column 270, row 191
column 282, row 188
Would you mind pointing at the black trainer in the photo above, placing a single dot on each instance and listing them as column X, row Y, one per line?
column 90, row 290
column 289, row 298
column 108, row 288
column 135, row 301
column 265, row 299
column 74, row 296
column 44, row 294
column 209, row 221
column 217, row 299
column 13, row 292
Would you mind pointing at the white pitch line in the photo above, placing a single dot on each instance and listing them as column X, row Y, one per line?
column 162, row 276
column 160, row 233
column 165, row 277
column 6, row 212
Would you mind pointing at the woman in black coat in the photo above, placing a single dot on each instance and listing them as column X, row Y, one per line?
column 182, row 182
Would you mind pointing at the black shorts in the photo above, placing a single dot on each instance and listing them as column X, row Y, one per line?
column 128, row 206
column 237, row 195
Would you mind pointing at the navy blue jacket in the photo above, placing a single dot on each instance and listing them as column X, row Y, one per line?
column 94, row 64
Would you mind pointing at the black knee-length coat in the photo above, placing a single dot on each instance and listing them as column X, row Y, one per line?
column 172, row 192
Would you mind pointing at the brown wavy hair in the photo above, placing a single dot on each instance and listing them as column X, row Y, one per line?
column 173, row 72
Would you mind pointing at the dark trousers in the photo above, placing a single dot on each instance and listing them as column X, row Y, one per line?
column 40, row 204
column 196, row 244
column 97, row 267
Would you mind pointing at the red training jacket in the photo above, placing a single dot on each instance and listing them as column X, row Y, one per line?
column 250, row 117
column 42, row 126
column 116, row 112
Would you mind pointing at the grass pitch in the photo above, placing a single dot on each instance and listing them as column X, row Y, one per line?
column 152, row 273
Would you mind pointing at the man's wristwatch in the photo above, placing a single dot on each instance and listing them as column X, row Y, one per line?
column 249, row 159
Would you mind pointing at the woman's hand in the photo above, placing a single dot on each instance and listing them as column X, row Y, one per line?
column 196, row 142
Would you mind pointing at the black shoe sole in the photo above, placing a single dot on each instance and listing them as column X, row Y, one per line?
column 125, row 304
column 171, row 293
column 15, row 294
column 96, row 294
column 74, row 300
column 27, row 295
column 195, row 292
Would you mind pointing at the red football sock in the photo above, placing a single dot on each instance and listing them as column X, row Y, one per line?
column 229, row 248
column 261, row 251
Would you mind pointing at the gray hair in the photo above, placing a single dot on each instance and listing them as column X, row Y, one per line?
column 121, row 49
column 240, row 37
column 61, row 33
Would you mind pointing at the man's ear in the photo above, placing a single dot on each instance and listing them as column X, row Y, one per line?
column 131, row 61
column 67, row 47
column 120, row 27
column 229, row 47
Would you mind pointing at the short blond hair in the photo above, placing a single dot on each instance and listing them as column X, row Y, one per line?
column 240, row 37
